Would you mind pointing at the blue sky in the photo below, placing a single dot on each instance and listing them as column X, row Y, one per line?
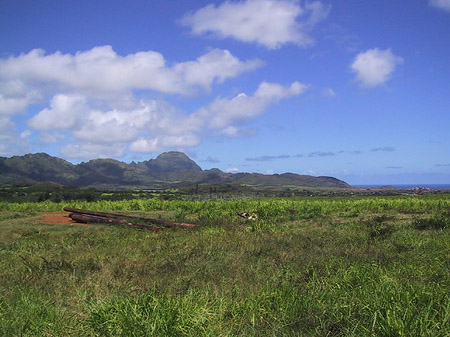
column 359, row 90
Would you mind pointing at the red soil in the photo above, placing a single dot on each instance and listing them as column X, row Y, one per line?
column 58, row 218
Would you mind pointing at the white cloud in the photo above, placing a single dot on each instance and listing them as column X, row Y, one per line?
column 15, row 96
column 224, row 112
column 91, row 102
column 25, row 134
column 235, row 132
column 148, row 126
column 271, row 23
column 441, row 4
column 64, row 112
column 117, row 125
column 374, row 66
column 318, row 12
column 328, row 92
column 6, row 126
column 156, row 144
column 217, row 65
column 232, row 170
column 102, row 73
column 90, row 151
column 231, row 131
column 10, row 105
column 90, row 98
column 154, row 126
column 175, row 130
column 10, row 142
column 51, row 137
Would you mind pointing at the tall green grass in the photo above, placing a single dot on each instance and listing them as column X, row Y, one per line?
column 278, row 209
column 306, row 267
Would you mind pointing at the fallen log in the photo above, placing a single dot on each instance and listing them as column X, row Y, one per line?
column 108, row 215
column 85, row 218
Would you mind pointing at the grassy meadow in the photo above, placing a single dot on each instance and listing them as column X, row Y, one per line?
column 363, row 266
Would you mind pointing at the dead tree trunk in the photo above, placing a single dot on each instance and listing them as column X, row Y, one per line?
column 159, row 222
column 85, row 218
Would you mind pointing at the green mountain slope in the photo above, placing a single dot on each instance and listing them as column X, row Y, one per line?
column 37, row 167
column 168, row 170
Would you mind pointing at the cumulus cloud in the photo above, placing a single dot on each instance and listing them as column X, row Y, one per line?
column 270, row 23
column 10, row 142
column 125, row 125
column 217, row 65
column 225, row 112
column 156, row 144
column 148, row 126
column 171, row 129
column 51, row 137
column 90, row 99
column 374, row 66
column 15, row 96
column 63, row 113
column 441, row 4
column 98, row 128
column 102, row 73
column 90, row 151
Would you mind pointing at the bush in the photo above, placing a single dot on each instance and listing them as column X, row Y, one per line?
column 436, row 221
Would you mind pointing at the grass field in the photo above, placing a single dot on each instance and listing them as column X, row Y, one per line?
column 374, row 266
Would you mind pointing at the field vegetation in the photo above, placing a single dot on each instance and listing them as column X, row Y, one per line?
column 341, row 266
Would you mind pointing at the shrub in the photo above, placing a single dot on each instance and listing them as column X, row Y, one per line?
column 436, row 221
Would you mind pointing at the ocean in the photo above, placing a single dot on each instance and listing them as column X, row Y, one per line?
column 406, row 186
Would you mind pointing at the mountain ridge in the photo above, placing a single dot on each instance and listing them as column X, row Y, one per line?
column 168, row 170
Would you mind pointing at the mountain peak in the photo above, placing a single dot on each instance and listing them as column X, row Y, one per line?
column 173, row 155
column 172, row 161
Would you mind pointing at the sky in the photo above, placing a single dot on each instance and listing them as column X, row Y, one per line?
column 355, row 89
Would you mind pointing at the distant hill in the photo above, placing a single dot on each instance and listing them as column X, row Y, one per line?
column 168, row 170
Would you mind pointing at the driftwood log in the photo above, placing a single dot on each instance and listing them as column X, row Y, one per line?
column 120, row 217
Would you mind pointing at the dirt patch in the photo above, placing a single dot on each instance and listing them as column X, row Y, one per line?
column 58, row 218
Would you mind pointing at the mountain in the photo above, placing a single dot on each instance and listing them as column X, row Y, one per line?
column 171, row 162
column 168, row 170
column 36, row 167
